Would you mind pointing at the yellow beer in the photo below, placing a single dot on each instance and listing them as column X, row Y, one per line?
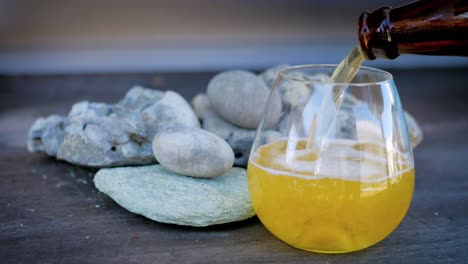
column 349, row 197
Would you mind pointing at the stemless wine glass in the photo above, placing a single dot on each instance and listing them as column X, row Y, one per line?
column 334, row 173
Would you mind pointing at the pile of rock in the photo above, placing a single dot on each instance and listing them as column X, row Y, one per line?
column 195, row 183
column 234, row 102
column 233, row 107
column 147, row 127
column 103, row 135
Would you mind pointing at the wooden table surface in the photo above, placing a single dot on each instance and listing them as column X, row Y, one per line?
column 50, row 211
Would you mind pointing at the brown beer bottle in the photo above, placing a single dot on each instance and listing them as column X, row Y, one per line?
column 432, row 27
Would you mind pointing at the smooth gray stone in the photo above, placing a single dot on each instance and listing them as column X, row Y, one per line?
column 192, row 152
column 201, row 105
column 240, row 97
column 46, row 134
column 166, row 197
column 103, row 135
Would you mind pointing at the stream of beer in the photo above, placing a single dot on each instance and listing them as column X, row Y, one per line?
column 323, row 120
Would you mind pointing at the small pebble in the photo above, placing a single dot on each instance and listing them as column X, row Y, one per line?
column 82, row 181
column 46, row 134
column 60, row 184
column 72, row 174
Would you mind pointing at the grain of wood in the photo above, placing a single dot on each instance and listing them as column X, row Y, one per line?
column 50, row 211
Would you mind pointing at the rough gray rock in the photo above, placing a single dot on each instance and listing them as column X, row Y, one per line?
column 240, row 139
column 345, row 119
column 269, row 75
column 201, row 105
column 294, row 93
column 172, row 108
column 346, row 122
column 192, row 152
column 166, row 197
column 240, row 97
column 415, row 131
column 139, row 98
column 46, row 134
column 103, row 135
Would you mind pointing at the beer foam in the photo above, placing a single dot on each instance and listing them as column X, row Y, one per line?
column 339, row 160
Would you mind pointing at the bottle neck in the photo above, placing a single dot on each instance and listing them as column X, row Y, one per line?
column 434, row 27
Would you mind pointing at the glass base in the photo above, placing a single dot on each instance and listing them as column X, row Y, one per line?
column 324, row 251
column 328, row 251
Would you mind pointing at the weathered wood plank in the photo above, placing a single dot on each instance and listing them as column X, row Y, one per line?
column 50, row 211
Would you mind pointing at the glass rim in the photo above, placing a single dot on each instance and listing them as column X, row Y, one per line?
column 388, row 76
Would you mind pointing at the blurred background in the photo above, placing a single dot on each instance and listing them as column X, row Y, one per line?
column 117, row 36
